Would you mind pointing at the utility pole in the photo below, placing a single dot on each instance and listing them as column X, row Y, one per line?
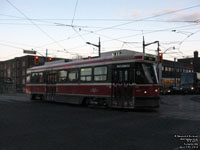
column 99, row 46
column 143, row 45
column 174, row 72
column 159, row 65
column 46, row 55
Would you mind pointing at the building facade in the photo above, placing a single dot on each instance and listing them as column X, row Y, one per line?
column 171, row 72
column 14, row 71
column 194, row 61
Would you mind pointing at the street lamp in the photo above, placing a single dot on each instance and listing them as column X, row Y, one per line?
column 99, row 46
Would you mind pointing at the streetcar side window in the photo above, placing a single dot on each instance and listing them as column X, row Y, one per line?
column 28, row 78
column 100, row 73
column 73, row 75
column 62, row 76
column 37, row 77
column 86, row 74
column 41, row 77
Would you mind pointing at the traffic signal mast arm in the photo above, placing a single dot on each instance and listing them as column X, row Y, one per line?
column 151, row 43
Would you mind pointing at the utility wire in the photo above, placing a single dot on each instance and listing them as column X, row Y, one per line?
column 11, row 46
column 119, row 24
column 167, row 29
column 73, row 22
column 163, row 14
column 110, row 20
column 146, row 18
column 74, row 12
column 34, row 23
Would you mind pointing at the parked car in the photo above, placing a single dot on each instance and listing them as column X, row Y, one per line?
column 172, row 90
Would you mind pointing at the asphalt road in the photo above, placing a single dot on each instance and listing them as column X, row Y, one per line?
column 26, row 125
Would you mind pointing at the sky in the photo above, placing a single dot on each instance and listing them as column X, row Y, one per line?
column 64, row 26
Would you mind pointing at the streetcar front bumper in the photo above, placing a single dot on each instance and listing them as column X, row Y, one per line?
column 147, row 102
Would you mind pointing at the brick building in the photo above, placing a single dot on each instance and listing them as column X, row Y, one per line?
column 194, row 61
column 14, row 71
column 171, row 72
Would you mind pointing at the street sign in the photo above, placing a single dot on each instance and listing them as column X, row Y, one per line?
column 29, row 51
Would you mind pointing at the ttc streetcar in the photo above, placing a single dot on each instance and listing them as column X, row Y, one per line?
column 121, row 81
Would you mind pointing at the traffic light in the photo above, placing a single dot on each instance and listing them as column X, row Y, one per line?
column 160, row 57
column 36, row 61
column 50, row 58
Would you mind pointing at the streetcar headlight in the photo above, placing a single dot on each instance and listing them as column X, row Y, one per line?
column 145, row 92
column 192, row 88
column 156, row 90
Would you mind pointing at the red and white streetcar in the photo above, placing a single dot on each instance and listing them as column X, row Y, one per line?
column 125, row 79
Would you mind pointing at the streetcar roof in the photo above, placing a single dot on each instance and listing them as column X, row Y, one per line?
column 104, row 60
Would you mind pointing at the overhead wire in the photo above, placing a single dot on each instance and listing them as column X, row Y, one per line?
column 45, row 33
column 143, row 19
column 74, row 12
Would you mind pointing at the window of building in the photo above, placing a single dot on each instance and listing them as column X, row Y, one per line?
column 169, row 69
column 23, row 72
column 17, row 64
column 23, row 81
column 62, row 76
column 73, row 75
column 23, row 63
column 18, row 81
column 86, row 74
column 166, row 68
column 163, row 68
column 100, row 73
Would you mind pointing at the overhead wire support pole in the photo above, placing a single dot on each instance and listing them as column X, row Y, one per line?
column 46, row 55
column 99, row 46
column 143, row 45
column 159, row 65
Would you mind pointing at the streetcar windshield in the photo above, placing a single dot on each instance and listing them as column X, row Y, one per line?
column 146, row 73
column 187, row 78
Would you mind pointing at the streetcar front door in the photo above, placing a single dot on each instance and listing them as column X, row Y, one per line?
column 51, row 86
column 122, row 87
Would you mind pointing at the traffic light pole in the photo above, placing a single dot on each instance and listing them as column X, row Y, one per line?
column 46, row 55
column 159, row 64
